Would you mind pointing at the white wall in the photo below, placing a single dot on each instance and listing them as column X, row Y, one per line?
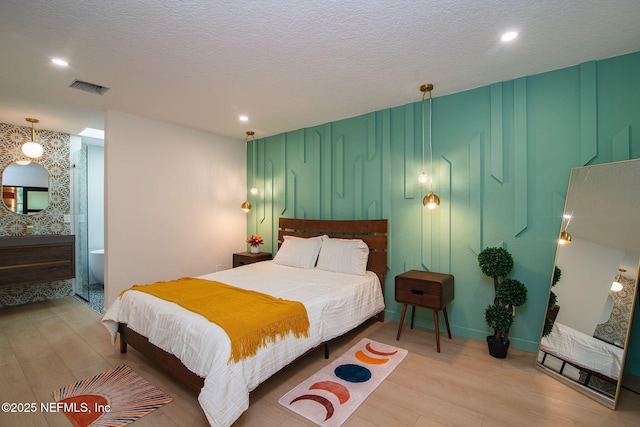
column 173, row 198
column 588, row 270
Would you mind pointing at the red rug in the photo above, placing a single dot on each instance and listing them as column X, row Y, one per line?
column 113, row 398
column 332, row 394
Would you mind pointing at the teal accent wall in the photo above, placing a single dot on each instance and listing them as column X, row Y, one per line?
column 502, row 156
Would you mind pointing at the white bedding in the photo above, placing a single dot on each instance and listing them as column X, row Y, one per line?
column 583, row 350
column 335, row 303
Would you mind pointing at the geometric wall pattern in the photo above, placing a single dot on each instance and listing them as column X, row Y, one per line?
column 48, row 221
column 501, row 161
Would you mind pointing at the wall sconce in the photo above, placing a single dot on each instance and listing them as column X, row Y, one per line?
column 431, row 200
column 32, row 148
column 616, row 286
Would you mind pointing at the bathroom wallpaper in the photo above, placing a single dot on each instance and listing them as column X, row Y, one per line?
column 615, row 328
column 49, row 221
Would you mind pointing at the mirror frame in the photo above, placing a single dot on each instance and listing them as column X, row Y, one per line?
column 610, row 402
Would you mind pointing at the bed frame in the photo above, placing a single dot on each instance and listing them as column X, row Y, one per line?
column 588, row 372
column 372, row 232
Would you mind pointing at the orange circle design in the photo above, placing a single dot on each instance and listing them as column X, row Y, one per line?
column 368, row 359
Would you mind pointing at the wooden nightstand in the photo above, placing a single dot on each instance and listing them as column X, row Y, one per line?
column 244, row 258
column 424, row 289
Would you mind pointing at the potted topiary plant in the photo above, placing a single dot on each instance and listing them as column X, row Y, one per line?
column 497, row 263
column 553, row 307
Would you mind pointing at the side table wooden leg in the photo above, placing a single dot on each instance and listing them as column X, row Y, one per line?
column 413, row 314
column 446, row 320
column 435, row 321
column 404, row 311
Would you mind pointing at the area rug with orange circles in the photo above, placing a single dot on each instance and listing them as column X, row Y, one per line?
column 332, row 394
column 113, row 398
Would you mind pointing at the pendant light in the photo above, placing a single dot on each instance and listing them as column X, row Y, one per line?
column 246, row 206
column 250, row 134
column 616, row 286
column 32, row 148
column 565, row 238
column 431, row 200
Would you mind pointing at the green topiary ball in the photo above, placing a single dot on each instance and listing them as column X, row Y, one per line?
column 557, row 273
column 495, row 262
column 553, row 299
column 498, row 317
column 512, row 292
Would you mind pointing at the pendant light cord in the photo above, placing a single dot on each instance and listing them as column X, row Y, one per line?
column 422, row 115
column 430, row 146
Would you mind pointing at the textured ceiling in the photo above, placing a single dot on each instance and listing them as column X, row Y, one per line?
column 287, row 66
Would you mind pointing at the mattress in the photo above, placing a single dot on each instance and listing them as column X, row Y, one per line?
column 583, row 350
column 335, row 304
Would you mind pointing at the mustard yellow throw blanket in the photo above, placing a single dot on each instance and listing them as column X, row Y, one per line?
column 251, row 319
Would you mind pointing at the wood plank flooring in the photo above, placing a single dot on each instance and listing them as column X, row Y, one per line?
column 47, row 345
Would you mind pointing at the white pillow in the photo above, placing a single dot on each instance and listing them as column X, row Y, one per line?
column 298, row 251
column 344, row 256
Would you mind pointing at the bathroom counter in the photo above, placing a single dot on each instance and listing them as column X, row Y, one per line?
column 35, row 259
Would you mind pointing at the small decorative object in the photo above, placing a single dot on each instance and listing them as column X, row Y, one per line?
column 255, row 241
column 508, row 294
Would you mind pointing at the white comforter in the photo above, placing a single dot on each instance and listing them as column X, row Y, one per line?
column 583, row 350
column 335, row 303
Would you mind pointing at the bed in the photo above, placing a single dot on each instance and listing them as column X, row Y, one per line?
column 336, row 302
column 593, row 356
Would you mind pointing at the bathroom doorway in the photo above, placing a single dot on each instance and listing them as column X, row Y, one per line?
column 88, row 182
column 80, row 229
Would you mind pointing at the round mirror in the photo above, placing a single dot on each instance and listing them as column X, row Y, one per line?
column 25, row 188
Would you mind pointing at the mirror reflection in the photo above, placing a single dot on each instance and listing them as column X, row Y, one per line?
column 595, row 281
column 25, row 188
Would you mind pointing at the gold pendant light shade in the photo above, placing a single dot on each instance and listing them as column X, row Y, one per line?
column 431, row 200
column 565, row 238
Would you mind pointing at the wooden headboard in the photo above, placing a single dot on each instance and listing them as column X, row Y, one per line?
column 371, row 231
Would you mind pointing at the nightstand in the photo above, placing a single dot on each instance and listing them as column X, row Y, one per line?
column 424, row 289
column 244, row 258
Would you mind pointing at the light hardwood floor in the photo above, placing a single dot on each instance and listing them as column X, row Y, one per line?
column 44, row 346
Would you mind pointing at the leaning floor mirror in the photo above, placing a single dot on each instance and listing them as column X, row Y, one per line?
column 593, row 292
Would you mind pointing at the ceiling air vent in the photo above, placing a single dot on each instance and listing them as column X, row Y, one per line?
column 88, row 87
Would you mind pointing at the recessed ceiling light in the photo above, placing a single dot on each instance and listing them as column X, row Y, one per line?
column 60, row 62
column 243, row 118
column 507, row 37
column 92, row 133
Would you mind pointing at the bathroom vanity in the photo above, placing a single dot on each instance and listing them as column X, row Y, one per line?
column 34, row 259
